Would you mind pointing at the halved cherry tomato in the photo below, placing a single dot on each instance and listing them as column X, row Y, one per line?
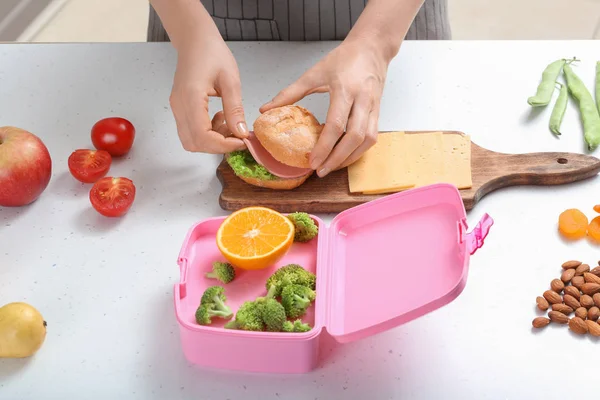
column 112, row 197
column 88, row 166
column 114, row 135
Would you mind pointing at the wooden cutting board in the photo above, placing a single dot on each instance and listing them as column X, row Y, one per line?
column 490, row 171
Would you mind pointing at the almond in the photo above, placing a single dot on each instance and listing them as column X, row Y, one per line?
column 542, row 303
column 586, row 301
column 573, row 264
column 593, row 328
column 571, row 302
column 581, row 312
column 577, row 325
column 591, row 278
column 596, row 298
column 567, row 275
column 558, row 317
column 583, row 268
column 540, row 322
column 563, row 308
column 557, row 285
column 573, row 291
column 578, row 281
column 593, row 313
column 590, row 288
column 552, row 297
column 596, row 271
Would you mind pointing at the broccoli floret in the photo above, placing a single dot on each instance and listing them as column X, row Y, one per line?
column 287, row 275
column 310, row 280
column 275, row 285
column 249, row 317
column 231, row 325
column 306, row 229
column 299, row 326
column 206, row 312
column 288, row 326
column 221, row 271
column 259, row 315
column 296, row 299
column 272, row 313
column 299, row 275
column 296, row 326
column 202, row 316
column 215, row 296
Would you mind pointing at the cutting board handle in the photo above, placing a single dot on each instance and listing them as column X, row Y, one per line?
column 543, row 168
column 493, row 171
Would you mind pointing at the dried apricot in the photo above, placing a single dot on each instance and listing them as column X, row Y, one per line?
column 573, row 224
column 597, row 208
column 594, row 229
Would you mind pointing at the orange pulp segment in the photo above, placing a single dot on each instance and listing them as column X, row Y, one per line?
column 572, row 223
column 255, row 237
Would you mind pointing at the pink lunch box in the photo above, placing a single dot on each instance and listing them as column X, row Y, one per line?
column 370, row 263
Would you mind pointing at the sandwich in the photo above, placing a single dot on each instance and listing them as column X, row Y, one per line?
column 278, row 150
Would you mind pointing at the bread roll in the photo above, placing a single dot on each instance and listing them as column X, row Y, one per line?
column 289, row 133
column 277, row 184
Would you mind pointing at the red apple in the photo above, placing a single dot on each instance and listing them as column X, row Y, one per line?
column 25, row 167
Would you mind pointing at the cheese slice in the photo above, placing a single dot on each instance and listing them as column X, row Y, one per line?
column 425, row 157
column 457, row 160
column 387, row 191
column 401, row 161
column 383, row 167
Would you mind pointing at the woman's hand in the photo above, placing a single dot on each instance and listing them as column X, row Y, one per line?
column 354, row 75
column 206, row 67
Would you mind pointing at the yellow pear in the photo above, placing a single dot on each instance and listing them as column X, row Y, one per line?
column 22, row 330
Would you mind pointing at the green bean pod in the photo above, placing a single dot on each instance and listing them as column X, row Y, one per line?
column 559, row 109
column 590, row 115
column 546, row 87
column 598, row 84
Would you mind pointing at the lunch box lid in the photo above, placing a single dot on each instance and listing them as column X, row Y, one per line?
column 397, row 258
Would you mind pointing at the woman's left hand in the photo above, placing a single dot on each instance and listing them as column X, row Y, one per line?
column 354, row 75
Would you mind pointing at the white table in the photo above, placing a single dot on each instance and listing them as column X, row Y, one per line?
column 105, row 286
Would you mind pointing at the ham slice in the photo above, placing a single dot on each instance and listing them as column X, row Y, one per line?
column 264, row 158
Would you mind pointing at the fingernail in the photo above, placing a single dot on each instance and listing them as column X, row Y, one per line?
column 316, row 163
column 323, row 172
column 242, row 129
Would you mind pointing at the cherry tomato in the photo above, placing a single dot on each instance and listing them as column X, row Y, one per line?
column 114, row 135
column 112, row 197
column 88, row 166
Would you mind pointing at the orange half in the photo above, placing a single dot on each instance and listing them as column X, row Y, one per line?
column 255, row 237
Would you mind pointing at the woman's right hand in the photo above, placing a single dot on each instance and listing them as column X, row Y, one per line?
column 206, row 68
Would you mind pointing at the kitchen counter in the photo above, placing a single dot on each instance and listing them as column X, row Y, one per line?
column 105, row 286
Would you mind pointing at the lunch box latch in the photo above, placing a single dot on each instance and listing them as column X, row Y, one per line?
column 475, row 239
column 183, row 269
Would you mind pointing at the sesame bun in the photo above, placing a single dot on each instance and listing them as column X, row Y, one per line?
column 289, row 133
